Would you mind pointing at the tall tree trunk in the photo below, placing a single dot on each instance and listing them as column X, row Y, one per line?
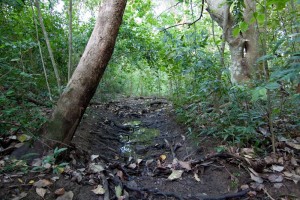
column 243, row 48
column 85, row 79
column 70, row 40
column 37, row 4
column 41, row 53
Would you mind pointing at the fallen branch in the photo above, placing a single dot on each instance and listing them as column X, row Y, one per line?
column 226, row 196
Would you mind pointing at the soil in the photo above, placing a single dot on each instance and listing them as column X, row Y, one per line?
column 139, row 144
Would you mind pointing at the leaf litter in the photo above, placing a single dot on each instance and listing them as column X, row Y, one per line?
column 153, row 166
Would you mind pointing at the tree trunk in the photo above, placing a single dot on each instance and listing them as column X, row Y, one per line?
column 243, row 48
column 37, row 4
column 85, row 79
column 41, row 53
column 70, row 40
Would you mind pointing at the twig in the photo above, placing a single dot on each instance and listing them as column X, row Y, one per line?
column 105, row 186
column 168, row 9
column 227, row 196
column 266, row 192
column 187, row 23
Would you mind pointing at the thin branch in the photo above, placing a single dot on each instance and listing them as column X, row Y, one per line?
column 168, row 9
column 187, row 23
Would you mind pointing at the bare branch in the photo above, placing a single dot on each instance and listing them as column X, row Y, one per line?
column 187, row 23
column 168, row 9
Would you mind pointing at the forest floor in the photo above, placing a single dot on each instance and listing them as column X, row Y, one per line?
column 133, row 148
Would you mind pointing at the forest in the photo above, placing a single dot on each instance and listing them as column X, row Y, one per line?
column 149, row 99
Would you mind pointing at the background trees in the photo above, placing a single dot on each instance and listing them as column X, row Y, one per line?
column 161, row 51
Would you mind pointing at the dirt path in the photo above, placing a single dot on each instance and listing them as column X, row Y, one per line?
column 134, row 149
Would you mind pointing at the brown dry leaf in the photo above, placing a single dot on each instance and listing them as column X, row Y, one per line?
column 277, row 168
column 176, row 174
column 275, row 178
column 41, row 192
column 148, row 162
column 293, row 145
column 96, row 168
column 291, row 176
column 158, row 163
column 269, row 160
column 280, row 160
column 120, row 174
column 185, row 165
column 297, row 170
column 252, row 193
column 132, row 166
column 66, row 196
column 99, row 190
column 244, row 187
column 294, row 161
column 278, row 185
column 257, row 186
column 59, row 191
column 21, row 196
column 257, row 179
column 253, row 171
column 42, row 183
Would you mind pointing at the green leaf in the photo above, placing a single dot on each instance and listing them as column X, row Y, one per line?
column 272, row 86
column 118, row 191
column 259, row 93
column 260, row 18
column 236, row 31
column 244, row 26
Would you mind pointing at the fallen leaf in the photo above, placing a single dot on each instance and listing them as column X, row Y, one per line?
column 93, row 157
column 278, row 185
column 42, row 183
column 163, row 157
column 257, row 186
column 291, row 176
column 31, row 182
column 176, row 174
column 244, row 187
column 280, row 160
column 36, row 162
column 41, row 192
column 138, row 161
column 120, row 174
column 148, row 162
column 293, row 145
column 253, row 171
column 277, row 168
column 99, row 190
column 275, row 178
column 257, row 179
column 20, row 180
column 252, row 193
column 297, row 170
column 197, row 177
column 269, row 160
column 185, row 165
column 23, row 138
column 96, row 168
column 20, row 196
column 294, row 161
column 132, row 166
column 47, row 165
column 55, row 178
column 66, row 196
column 118, row 191
column 60, row 191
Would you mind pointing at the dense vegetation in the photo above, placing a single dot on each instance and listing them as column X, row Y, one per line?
column 184, row 63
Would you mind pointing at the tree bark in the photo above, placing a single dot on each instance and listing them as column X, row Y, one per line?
column 85, row 79
column 70, row 40
column 243, row 48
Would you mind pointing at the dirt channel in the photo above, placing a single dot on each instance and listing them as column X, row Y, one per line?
column 135, row 149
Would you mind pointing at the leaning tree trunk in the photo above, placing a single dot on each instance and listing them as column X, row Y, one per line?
column 243, row 48
column 85, row 79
